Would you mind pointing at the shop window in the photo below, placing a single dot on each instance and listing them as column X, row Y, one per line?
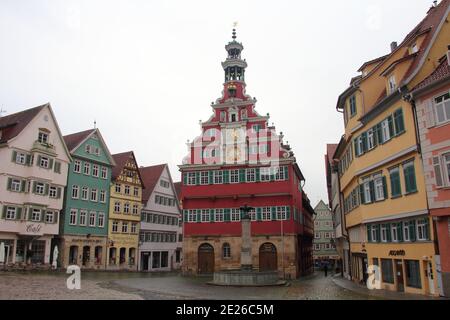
column 387, row 272
column 413, row 274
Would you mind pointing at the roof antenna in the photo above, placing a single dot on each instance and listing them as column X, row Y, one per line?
column 95, row 124
column 234, row 30
column 2, row 111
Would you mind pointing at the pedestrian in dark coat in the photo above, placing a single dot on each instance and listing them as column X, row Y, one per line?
column 325, row 269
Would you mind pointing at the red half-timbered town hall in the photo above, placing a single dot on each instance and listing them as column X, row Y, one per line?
column 240, row 160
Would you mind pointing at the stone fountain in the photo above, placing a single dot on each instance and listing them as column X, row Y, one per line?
column 246, row 275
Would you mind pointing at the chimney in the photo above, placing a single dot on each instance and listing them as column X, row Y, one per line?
column 393, row 46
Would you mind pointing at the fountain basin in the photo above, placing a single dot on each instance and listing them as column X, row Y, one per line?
column 244, row 278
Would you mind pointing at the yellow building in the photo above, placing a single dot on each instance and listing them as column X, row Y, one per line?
column 124, row 212
column 380, row 165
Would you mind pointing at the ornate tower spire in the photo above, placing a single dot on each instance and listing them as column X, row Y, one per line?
column 234, row 67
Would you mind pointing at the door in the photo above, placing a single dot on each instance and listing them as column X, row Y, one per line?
column 364, row 269
column 73, row 254
column 86, row 255
column 205, row 259
column 437, row 261
column 268, row 257
column 144, row 258
column 430, row 276
column 399, row 275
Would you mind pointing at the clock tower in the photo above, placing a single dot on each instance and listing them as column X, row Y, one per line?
column 239, row 160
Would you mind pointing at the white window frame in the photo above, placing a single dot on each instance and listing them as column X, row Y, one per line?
column 379, row 187
column 219, row 215
column 126, row 208
column 133, row 228
column 43, row 137
column 87, row 169
column 281, row 213
column 135, row 209
column 392, row 84
column 21, row 158
column 16, row 185
column 85, row 193
column 279, row 174
column 235, row 215
column 115, row 226
column 373, row 232
column 117, row 206
column 73, row 217
column 44, row 162
column 370, row 139
column 36, row 215
column 95, row 170
column 250, row 175
column 394, row 233
column 446, row 161
column 218, row 176
column 104, row 173
column 124, row 227
column 204, row 177
column 40, row 188
column 192, row 215
column 101, row 220
column 421, row 229
column 405, row 230
column 92, row 218
column 385, row 134
column 442, row 103
column 191, row 178
column 94, row 195
column 102, row 197
column 118, row 188
column 383, row 233
column 83, row 217
column 367, row 195
column 11, row 213
column 53, row 192
column 266, row 213
column 49, row 217
column 127, row 190
column 204, row 216
column 77, row 166
column 234, row 176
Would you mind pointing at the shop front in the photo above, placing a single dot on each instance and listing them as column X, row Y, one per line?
column 122, row 252
column 88, row 252
column 405, row 267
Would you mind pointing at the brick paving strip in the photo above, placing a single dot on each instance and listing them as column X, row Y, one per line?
column 17, row 286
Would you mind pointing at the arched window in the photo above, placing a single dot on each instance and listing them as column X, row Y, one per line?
column 226, row 251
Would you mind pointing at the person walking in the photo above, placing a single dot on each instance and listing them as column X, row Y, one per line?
column 325, row 269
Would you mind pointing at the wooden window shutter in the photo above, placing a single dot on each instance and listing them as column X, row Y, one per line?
column 273, row 211
column 388, row 232
column 378, row 233
column 55, row 217
column 258, row 214
column 391, row 126
column 242, row 175
column 185, row 177
column 226, row 215
column 58, row 193
column 185, row 215
column 46, row 189
column 50, row 163
column 364, row 142
column 369, row 233
column 427, row 228
column 199, row 215
column 23, row 184
column 257, row 176
column 400, row 231
column 212, row 215
column 18, row 213
column 361, row 194
column 288, row 213
column 286, row 172
column 430, row 116
column 438, row 171
column 14, row 156
column 226, row 176
column 385, row 190
column 379, row 133
column 29, row 160
column 9, row 185
column 4, row 211
column 399, row 122
column 211, row 177
column 412, row 230
column 372, row 191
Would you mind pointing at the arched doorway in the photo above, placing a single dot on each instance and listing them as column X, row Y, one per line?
column 205, row 259
column 73, row 255
column 268, row 257
column 86, row 255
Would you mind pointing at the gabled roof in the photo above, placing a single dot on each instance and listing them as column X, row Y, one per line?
column 331, row 149
column 368, row 63
column 430, row 26
column 150, row 176
column 75, row 140
column 177, row 186
column 441, row 73
column 13, row 124
column 121, row 159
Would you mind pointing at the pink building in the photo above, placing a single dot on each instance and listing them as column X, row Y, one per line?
column 432, row 100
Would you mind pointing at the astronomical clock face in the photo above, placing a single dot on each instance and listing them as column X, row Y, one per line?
column 234, row 154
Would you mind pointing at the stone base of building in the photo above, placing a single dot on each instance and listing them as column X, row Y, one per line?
column 86, row 252
column 208, row 254
column 159, row 260
column 445, row 284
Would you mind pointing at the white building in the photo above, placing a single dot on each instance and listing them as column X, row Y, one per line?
column 33, row 174
column 160, row 240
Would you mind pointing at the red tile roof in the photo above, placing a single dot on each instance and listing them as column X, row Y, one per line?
column 13, row 124
column 331, row 149
column 177, row 186
column 150, row 176
column 121, row 159
column 440, row 73
column 74, row 139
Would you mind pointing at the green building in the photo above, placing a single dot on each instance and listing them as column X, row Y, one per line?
column 324, row 236
column 83, row 237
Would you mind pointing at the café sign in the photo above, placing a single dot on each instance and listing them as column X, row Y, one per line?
column 33, row 229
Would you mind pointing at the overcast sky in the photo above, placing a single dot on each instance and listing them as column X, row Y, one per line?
column 148, row 70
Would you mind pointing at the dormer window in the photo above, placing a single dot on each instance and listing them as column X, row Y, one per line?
column 352, row 105
column 414, row 48
column 43, row 137
column 392, row 84
column 88, row 149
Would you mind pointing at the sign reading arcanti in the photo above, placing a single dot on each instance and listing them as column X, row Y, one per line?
column 397, row 253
